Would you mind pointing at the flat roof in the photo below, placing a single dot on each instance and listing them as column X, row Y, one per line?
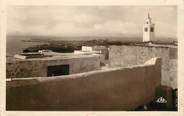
column 158, row 45
column 58, row 56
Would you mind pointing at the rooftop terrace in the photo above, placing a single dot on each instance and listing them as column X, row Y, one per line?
column 53, row 56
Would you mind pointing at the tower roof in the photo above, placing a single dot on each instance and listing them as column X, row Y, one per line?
column 149, row 15
column 148, row 19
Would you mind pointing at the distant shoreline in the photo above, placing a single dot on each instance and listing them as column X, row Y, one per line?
column 62, row 44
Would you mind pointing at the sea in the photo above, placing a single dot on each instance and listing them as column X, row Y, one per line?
column 15, row 45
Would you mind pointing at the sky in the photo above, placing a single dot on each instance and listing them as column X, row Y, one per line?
column 115, row 21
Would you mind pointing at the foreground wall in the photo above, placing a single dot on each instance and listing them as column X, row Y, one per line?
column 110, row 89
column 38, row 68
column 127, row 55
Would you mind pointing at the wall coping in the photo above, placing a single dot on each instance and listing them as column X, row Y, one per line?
column 15, row 82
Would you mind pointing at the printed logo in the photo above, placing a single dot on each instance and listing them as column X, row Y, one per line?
column 161, row 100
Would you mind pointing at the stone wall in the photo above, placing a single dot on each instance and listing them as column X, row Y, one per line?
column 110, row 89
column 133, row 55
column 38, row 68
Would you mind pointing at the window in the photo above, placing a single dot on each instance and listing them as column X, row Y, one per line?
column 152, row 29
column 173, row 53
column 58, row 70
column 145, row 29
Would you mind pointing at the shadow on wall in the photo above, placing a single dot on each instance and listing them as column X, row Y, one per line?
column 111, row 89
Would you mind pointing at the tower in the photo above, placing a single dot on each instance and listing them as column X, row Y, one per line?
column 148, row 30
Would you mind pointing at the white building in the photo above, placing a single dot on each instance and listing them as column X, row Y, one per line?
column 87, row 50
column 148, row 30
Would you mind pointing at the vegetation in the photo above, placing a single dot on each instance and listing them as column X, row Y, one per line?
column 69, row 46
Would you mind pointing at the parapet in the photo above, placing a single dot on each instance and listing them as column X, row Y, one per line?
column 104, row 90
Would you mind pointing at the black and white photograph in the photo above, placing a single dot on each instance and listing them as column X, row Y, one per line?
column 91, row 58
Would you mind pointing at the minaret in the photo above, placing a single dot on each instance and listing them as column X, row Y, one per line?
column 148, row 30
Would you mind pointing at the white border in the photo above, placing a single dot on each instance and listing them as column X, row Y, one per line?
column 180, row 6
